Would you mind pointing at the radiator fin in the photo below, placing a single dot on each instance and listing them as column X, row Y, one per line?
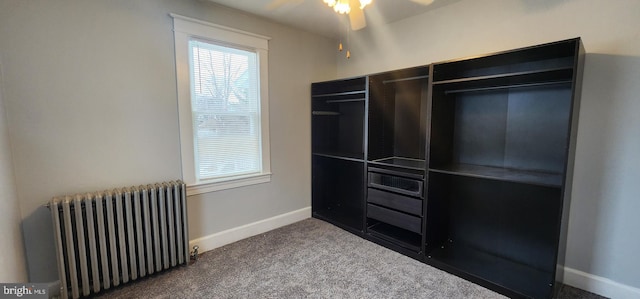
column 105, row 239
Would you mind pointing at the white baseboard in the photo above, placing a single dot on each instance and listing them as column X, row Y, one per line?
column 229, row 236
column 599, row 285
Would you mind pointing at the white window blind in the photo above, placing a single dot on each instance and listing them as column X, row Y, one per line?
column 225, row 105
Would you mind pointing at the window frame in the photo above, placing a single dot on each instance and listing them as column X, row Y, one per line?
column 185, row 29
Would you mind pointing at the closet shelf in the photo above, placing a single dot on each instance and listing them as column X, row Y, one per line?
column 502, row 174
column 395, row 235
column 508, row 80
column 356, row 157
column 401, row 162
column 341, row 218
column 517, row 277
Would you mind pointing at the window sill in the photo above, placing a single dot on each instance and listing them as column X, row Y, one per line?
column 206, row 187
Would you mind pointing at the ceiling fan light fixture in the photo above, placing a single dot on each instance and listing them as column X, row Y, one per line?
column 364, row 3
column 342, row 7
column 330, row 3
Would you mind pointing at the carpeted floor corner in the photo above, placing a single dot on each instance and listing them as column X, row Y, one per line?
column 308, row 259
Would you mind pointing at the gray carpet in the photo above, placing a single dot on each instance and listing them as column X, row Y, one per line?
column 308, row 259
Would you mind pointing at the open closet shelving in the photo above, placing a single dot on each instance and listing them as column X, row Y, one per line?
column 338, row 120
column 396, row 159
column 463, row 164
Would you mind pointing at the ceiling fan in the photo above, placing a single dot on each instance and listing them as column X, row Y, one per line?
column 353, row 8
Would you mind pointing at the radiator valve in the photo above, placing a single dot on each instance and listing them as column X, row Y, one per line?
column 194, row 253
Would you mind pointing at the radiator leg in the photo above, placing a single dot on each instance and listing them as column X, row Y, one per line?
column 194, row 253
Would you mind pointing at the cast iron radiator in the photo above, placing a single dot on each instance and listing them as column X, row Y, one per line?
column 104, row 239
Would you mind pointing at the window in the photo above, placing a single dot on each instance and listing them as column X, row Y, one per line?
column 223, row 105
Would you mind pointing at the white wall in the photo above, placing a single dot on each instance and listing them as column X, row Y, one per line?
column 13, row 267
column 603, row 238
column 91, row 101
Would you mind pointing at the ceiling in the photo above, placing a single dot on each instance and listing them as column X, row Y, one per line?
column 315, row 16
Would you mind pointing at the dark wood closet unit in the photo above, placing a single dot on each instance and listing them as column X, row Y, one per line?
column 398, row 118
column 338, row 119
column 501, row 141
column 464, row 164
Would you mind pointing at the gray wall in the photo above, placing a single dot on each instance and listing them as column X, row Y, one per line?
column 603, row 222
column 12, row 263
column 89, row 94
column 91, row 101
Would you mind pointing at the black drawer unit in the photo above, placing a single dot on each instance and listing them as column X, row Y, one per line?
column 395, row 201
column 395, row 218
column 395, row 208
column 396, row 181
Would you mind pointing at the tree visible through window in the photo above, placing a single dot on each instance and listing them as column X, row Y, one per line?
column 225, row 107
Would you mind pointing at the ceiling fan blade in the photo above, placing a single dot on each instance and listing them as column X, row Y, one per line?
column 275, row 4
column 422, row 2
column 356, row 18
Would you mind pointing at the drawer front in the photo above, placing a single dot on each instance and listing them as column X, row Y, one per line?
column 395, row 183
column 399, row 219
column 395, row 201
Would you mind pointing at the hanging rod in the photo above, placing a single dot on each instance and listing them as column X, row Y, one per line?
column 405, row 79
column 446, row 92
column 344, row 101
column 338, row 94
column 324, row 113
